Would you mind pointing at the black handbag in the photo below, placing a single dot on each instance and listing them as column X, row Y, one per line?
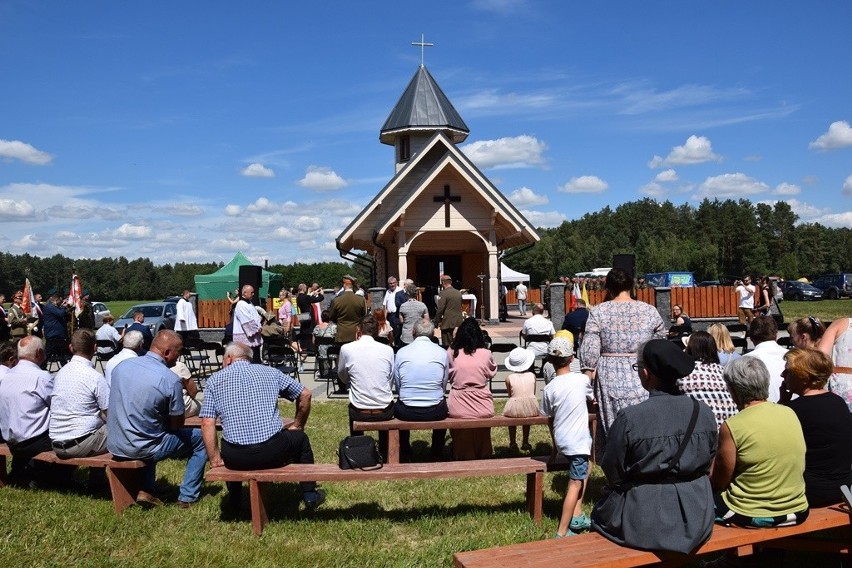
column 359, row 452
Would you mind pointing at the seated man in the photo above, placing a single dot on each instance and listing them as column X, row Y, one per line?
column 139, row 325
column 244, row 396
column 420, row 373
column 25, row 413
column 132, row 343
column 575, row 322
column 538, row 325
column 145, row 419
column 366, row 366
column 79, row 403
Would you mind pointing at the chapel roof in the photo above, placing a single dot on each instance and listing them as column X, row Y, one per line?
column 423, row 107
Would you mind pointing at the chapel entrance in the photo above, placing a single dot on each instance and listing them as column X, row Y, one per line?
column 428, row 272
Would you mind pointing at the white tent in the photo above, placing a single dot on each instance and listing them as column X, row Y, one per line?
column 509, row 275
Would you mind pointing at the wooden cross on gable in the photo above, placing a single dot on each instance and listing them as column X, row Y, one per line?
column 446, row 199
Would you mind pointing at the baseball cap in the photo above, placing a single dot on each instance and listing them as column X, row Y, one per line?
column 560, row 347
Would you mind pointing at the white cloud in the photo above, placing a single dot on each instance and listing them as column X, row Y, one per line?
column 787, row 189
column 525, row 197
column 321, row 178
column 839, row 135
column 233, row 210
column 307, row 223
column 730, row 185
column 696, row 150
column 28, row 242
column 184, row 210
column 14, row 209
column 284, row 233
column 806, row 212
column 847, row 186
column 836, row 220
column 584, row 184
column 262, row 205
column 17, row 150
column 522, row 151
column 653, row 189
column 544, row 218
column 666, row 176
column 257, row 170
column 132, row 232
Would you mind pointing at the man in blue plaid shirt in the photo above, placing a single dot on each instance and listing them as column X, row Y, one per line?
column 244, row 396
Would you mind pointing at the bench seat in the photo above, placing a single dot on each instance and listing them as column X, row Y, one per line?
column 394, row 425
column 591, row 549
column 122, row 474
column 258, row 479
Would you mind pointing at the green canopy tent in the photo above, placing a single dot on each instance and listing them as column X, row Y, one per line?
column 215, row 286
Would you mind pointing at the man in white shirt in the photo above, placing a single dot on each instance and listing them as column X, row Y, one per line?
column 133, row 343
column 247, row 322
column 366, row 366
column 79, row 403
column 185, row 323
column 521, row 293
column 389, row 304
column 538, row 325
column 763, row 333
column 745, row 308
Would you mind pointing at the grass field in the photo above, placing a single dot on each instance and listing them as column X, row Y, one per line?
column 401, row 523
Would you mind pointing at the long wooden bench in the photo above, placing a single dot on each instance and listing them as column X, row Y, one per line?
column 259, row 479
column 589, row 550
column 122, row 475
column 394, row 426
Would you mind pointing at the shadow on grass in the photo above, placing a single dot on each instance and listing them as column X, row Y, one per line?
column 284, row 501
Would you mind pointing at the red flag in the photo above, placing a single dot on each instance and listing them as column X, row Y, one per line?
column 29, row 305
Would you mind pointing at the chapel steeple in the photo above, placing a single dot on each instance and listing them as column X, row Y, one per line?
column 422, row 110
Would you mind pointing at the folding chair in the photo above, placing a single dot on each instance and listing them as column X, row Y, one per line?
column 101, row 358
column 278, row 353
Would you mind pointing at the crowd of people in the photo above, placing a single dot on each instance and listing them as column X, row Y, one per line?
column 689, row 432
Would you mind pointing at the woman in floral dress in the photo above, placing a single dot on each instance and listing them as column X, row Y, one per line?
column 614, row 331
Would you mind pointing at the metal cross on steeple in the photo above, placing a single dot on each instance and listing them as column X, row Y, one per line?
column 422, row 44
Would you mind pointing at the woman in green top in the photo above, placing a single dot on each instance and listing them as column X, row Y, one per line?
column 758, row 471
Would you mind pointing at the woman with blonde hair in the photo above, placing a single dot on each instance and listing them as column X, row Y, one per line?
column 805, row 333
column 724, row 344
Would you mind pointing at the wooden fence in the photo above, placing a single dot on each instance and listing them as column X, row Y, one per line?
column 697, row 302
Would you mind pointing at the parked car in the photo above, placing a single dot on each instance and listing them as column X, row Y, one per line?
column 835, row 286
column 795, row 290
column 708, row 283
column 158, row 315
column 100, row 310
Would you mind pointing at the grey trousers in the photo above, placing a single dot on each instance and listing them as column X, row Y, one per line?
column 91, row 446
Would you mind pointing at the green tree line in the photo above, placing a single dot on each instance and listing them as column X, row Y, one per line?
column 108, row 279
column 715, row 239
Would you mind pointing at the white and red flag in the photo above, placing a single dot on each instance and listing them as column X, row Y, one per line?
column 75, row 295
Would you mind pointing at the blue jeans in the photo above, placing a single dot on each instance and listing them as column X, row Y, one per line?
column 179, row 444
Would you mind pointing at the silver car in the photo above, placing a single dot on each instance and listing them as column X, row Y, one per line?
column 100, row 310
column 158, row 315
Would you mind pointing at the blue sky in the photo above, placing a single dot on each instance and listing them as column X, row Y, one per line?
column 184, row 131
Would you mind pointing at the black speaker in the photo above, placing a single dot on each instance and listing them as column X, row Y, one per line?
column 250, row 274
column 626, row 262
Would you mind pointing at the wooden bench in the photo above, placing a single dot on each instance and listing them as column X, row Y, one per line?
column 123, row 475
column 592, row 549
column 259, row 479
column 394, row 426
